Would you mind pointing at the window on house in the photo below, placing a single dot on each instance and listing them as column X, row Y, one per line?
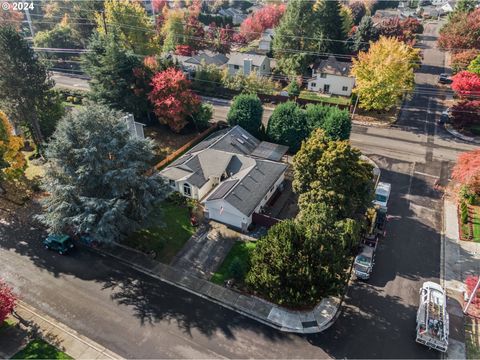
column 187, row 190
column 344, row 88
column 323, row 75
column 172, row 183
column 236, row 67
column 313, row 84
column 263, row 66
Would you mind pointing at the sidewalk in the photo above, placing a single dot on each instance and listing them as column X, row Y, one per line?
column 58, row 334
column 303, row 322
column 459, row 259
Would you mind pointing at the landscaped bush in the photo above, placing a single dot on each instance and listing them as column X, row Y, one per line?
column 464, row 212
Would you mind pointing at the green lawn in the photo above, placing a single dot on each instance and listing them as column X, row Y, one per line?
column 39, row 349
column 310, row 95
column 242, row 250
column 165, row 231
column 476, row 224
column 7, row 323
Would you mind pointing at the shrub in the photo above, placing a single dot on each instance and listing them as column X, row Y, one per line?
column 464, row 212
column 237, row 269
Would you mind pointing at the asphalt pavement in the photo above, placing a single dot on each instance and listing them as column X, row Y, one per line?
column 136, row 316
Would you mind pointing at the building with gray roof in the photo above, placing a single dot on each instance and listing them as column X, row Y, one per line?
column 232, row 173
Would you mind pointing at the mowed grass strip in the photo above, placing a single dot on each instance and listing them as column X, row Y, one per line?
column 241, row 250
column 39, row 349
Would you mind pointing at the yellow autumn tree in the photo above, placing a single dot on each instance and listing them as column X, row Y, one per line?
column 129, row 20
column 384, row 73
column 12, row 161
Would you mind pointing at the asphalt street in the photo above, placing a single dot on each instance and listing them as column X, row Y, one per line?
column 139, row 317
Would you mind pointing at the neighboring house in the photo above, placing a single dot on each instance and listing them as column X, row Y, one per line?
column 246, row 63
column 331, row 76
column 447, row 8
column 266, row 40
column 194, row 62
column 231, row 173
column 237, row 15
column 135, row 128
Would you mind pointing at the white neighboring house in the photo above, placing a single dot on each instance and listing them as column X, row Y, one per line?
column 332, row 77
column 265, row 43
column 135, row 128
column 246, row 63
column 231, row 173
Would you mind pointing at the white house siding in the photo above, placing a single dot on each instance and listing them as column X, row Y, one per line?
column 205, row 189
column 193, row 190
column 229, row 215
column 336, row 84
column 270, row 193
column 263, row 69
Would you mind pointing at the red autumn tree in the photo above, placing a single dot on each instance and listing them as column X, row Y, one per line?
column 466, row 84
column 184, row 50
column 461, row 60
column 219, row 39
column 467, row 170
column 8, row 301
column 193, row 33
column 173, row 100
column 265, row 18
column 404, row 30
column 466, row 113
column 461, row 32
column 158, row 5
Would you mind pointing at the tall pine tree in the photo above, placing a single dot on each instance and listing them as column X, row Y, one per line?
column 365, row 33
column 24, row 81
column 96, row 176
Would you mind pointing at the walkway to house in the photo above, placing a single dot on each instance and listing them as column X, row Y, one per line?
column 205, row 251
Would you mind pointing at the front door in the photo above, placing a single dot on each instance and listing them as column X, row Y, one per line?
column 326, row 88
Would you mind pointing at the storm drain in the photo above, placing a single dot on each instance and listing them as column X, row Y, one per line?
column 309, row 324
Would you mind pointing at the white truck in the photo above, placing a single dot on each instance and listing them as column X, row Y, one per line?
column 432, row 317
column 382, row 194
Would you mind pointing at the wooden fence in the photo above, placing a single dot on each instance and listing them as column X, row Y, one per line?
column 188, row 145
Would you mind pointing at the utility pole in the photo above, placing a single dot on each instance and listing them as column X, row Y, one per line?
column 104, row 23
column 355, row 107
column 29, row 20
column 472, row 295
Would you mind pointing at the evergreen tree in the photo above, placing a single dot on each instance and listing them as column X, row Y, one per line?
column 24, row 81
column 113, row 80
column 288, row 125
column 96, row 176
column 365, row 33
column 332, row 172
column 293, row 88
column 246, row 111
column 335, row 123
column 466, row 6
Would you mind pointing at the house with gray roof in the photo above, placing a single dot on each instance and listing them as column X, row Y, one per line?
column 331, row 76
column 202, row 58
column 232, row 173
column 245, row 63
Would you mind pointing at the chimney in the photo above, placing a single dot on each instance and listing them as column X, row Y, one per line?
column 247, row 66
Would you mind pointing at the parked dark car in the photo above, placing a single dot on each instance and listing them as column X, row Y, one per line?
column 59, row 243
column 444, row 79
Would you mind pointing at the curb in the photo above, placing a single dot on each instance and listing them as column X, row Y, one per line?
column 274, row 325
column 457, row 135
column 103, row 351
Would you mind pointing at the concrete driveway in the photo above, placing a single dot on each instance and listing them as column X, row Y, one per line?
column 205, row 251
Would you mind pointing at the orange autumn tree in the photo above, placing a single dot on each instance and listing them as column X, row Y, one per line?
column 12, row 161
column 467, row 170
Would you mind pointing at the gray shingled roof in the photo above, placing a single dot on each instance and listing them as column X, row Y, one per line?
column 237, row 58
column 250, row 190
column 238, row 141
column 333, row 66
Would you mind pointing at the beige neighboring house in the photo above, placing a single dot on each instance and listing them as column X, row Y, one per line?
column 331, row 76
column 237, row 15
column 246, row 63
column 232, row 173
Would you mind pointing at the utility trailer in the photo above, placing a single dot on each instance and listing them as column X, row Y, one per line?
column 432, row 317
